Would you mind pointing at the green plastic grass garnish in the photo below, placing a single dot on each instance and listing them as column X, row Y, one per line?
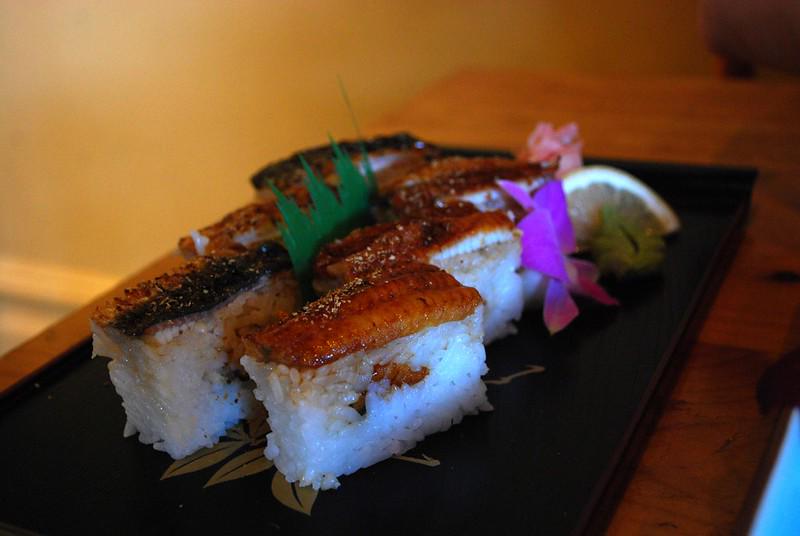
column 366, row 168
column 330, row 216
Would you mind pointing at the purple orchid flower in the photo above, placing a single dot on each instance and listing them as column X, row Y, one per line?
column 547, row 240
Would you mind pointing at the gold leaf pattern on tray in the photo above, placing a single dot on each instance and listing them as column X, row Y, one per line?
column 237, row 433
column 249, row 463
column 291, row 495
column 529, row 369
column 257, row 428
column 425, row 460
column 203, row 458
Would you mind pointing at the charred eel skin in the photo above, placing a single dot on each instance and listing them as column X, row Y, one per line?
column 195, row 287
column 289, row 172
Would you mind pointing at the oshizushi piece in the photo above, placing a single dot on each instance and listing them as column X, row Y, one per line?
column 389, row 156
column 240, row 229
column 455, row 185
column 174, row 344
column 401, row 161
column 455, row 181
column 481, row 250
column 367, row 371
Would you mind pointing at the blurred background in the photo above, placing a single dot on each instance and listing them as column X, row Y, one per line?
column 125, row 124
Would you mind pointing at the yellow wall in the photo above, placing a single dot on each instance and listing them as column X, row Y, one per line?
column 124, row 124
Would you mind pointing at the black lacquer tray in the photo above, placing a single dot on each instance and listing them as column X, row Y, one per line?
column 572, row 413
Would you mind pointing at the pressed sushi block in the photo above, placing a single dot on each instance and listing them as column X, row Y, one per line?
column 390, row 157
column 457, row 185
column 174, row 344
column 481, row 250
column 243, row 227
column 367, row 371
column 460, row 180
column 414, row 181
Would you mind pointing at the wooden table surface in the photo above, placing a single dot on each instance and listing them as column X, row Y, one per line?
column 699, row 462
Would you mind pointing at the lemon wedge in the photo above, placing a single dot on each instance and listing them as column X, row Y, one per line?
column 590, row 188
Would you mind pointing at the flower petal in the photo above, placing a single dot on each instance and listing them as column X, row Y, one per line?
column 518, row 193
column 559, row 307
column 568, row 133
column 540, row 250
column 583, row 277
column 551, row 197
column 542, row 144
column 546, row 144
column 571, row 158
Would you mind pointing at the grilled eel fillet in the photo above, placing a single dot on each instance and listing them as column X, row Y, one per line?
column 366, row 313
column 238, row 230
column 425, row 240
column 389, row 156
column 455, row 183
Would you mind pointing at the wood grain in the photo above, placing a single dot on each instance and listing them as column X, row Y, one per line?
column 694, row 473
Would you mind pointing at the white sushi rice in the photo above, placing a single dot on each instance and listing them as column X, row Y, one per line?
column 180, row 386
column 492, row 270
column 318, row 436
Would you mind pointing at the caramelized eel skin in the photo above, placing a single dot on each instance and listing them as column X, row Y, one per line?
column 372, row 247
column 462, row 166
column 365, row 314
column 195, row 287
column 442, row 182
column 260, row 218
